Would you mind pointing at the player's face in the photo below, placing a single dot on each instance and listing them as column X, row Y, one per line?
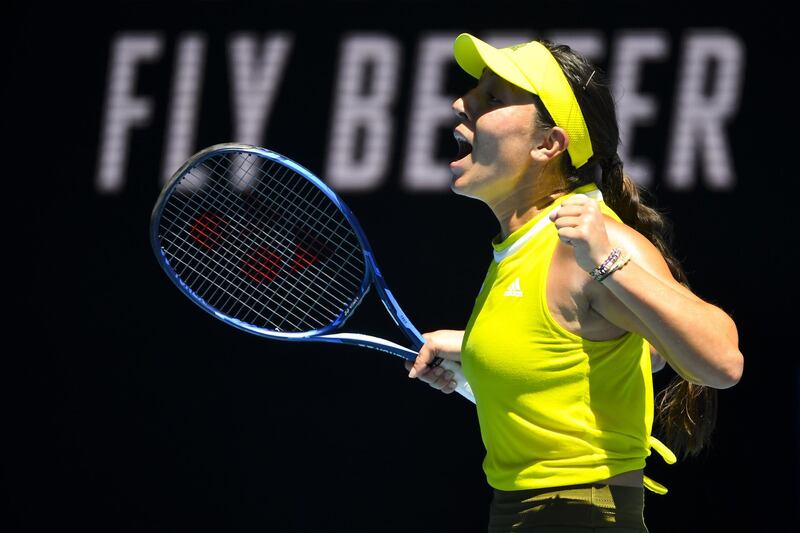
column 495, row 137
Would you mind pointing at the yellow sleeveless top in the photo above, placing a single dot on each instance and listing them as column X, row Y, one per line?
column 554, row 409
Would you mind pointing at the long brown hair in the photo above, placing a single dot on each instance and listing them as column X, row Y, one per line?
column 685, row 413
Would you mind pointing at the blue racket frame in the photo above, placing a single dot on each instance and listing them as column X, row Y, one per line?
column 372, row 273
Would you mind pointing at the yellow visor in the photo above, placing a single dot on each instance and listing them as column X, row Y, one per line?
column 532, row 67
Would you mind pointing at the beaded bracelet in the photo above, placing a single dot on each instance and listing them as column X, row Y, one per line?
column 600, row 272
column 621, row 262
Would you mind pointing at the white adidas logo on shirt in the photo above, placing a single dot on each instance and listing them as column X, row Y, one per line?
column 514, row 289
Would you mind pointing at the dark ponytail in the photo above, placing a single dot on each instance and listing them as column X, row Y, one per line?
column 685, row 413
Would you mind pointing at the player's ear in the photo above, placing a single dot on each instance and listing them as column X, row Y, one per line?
column 549, row 143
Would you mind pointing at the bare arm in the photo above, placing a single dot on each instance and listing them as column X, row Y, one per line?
column 696, row 338
column 699, row 340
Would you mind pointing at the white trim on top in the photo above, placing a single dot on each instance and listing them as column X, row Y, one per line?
column 594, row 194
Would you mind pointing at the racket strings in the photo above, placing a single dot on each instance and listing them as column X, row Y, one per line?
column 244, row 252
column 303, row 186
column 343, row 233
column 240, row 250
column 333, row 284
column 330, row 289
column 246, row 317
column 212, row 291
column 195, row 258
column 284, row 248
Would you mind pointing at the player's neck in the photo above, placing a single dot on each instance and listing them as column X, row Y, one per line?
column 527, row 200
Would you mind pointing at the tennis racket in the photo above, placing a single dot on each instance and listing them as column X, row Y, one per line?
column 263, row 245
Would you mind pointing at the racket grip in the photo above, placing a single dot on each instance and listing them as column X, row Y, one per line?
column 462, row 387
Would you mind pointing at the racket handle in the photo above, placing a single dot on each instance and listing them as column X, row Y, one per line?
column 383, row 345
column 462, row 387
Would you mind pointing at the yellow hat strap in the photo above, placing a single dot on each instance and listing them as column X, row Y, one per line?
column 548, row 81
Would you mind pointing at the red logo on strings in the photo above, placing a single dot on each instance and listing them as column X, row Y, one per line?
column 263, row 264
column 206, row 230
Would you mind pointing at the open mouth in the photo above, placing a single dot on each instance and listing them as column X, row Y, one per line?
column 464, row 146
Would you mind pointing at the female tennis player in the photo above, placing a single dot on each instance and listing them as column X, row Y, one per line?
column 582, row 302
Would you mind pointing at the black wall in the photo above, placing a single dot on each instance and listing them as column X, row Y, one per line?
column 130, row 410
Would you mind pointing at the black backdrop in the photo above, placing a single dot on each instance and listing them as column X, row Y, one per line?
column 128, row 409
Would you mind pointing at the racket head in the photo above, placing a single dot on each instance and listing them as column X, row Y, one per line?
column 261, row 243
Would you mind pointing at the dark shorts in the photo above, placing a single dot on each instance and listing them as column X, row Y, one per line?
column 585, row 508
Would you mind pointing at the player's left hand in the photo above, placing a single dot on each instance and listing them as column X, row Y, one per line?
column 580, row 224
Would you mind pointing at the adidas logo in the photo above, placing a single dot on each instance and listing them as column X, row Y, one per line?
column 514, row 289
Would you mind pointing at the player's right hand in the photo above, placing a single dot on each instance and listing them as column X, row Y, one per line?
column 443, row 343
